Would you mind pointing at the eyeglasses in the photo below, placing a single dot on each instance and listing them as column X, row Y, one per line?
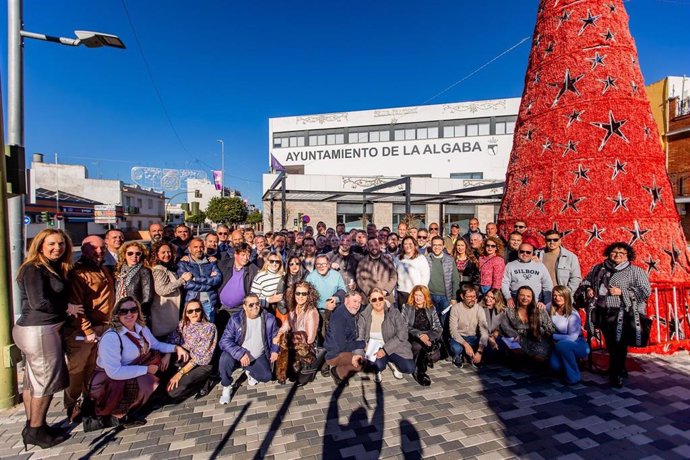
column 376, row 299
column 553, row 240
column 322, row 264
column 127, row 311
column 490, row 245
column 520, row 226
column 138, row 254
column 253, row 304
column 193, row 310
column 273, row 261
column 222, row 233
column 301, row 294
column 433, row 228
column 294, row 264
column 619, row 253
column 525, row 252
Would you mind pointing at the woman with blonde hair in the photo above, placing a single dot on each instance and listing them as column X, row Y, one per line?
column 494, row 305
column 491, row 264
column 129, row 357
column 569, row 343
column 44, row 290
column 133, row 277
column 269, row 285
column 412, row 269
column 425, row 332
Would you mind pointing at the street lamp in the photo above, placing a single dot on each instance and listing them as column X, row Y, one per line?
column 16, row 165
column 222, row 167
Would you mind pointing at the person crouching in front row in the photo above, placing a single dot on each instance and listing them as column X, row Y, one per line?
column 341, row 340
column 129, row 357
column 248, row 343
column 468, row 329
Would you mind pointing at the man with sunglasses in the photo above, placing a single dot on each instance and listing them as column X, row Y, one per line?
column 423, row 242
column 563, row 265
column 92, row 286
column 248, row 342
column 525, row 271
column 520, row 226
column 223, row 232
column 433, row 230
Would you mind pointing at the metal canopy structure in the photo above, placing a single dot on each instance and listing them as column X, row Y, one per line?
column 397, row 191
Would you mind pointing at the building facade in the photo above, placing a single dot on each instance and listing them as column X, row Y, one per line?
column 140, row 206
column 329, row 159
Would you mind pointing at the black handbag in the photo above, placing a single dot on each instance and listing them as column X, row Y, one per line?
column 645, row 331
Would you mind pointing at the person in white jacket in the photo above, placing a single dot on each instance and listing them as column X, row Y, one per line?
column 412, row 268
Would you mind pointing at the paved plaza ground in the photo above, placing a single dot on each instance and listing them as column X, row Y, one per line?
column 488, row 414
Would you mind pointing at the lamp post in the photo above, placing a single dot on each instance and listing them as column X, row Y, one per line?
column 222, row 168
column 16, row 168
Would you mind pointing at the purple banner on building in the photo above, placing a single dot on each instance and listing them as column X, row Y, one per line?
column 218, row 179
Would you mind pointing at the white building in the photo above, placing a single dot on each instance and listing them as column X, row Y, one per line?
column 206, row 191
column 331, row 159
column 141, row 206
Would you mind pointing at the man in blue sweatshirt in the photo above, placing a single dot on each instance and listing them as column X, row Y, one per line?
column 341, row 339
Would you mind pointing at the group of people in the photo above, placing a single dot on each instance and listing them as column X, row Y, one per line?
column 167, row 319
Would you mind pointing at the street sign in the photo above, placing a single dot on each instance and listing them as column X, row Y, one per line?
column 104, row 214
column 27, row 220
column 59, row 216
column 306, row 219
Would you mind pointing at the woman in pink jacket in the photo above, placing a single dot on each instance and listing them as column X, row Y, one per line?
column 491, row 264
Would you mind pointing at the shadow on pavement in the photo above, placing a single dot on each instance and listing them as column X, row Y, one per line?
column 226, row 437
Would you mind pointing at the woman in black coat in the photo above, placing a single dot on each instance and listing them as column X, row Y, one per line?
column 133, row 277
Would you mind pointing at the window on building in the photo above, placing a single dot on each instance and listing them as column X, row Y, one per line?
column 505, row 125
column 427, row 133
column 457, row 130
column 467, row 175
column 417, row 217
column 140, row 203
column 350, row 214
column 149, row 204
column 288, row 140
column 379, row 136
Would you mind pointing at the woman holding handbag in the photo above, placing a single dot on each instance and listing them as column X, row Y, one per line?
column 619, row 291
column 129, row 357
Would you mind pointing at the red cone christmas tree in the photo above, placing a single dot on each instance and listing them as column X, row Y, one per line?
column 586, row 156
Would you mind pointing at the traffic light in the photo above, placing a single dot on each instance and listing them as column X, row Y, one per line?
column 44, row 217
column 197, row 194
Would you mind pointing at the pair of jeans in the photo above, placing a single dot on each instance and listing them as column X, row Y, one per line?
column 440, row 303
column 565, row 355
column 456, row 349
column 406, row 366
column 259, row 369
column 209, row 310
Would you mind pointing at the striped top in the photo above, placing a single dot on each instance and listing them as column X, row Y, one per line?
column 265, row 284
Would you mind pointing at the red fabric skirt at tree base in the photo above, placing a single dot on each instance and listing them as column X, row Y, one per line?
column 669, row 309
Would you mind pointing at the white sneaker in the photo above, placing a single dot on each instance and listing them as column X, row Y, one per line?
column 378, row 377
column 225, row 397
column 251, row 381
column 396, row 372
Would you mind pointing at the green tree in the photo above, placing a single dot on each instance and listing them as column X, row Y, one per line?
column 255, row 217
column 226, row 210
column 197, row 219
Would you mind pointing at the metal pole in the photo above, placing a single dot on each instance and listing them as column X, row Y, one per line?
column 283, row 211
column 222, row 168
column 8, row 371
column 408, row 204
column 57, row 191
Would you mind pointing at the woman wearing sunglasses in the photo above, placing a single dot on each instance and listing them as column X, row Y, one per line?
column 133, row 277
column 491, row 264
column 198, row 336
column 384, row 331
column 129, row 357
column 269, row 285
column 297, row 336
column 294, row 272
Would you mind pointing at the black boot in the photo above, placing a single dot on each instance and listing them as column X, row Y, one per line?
column 420, row 374
column 40, row 437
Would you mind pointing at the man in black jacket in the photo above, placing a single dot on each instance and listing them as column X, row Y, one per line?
column 341, row 339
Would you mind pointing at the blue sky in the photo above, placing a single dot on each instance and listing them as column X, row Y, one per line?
column 222, row 68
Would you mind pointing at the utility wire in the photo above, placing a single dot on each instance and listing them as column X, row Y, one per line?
column 153, row 81
column 478, row 69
